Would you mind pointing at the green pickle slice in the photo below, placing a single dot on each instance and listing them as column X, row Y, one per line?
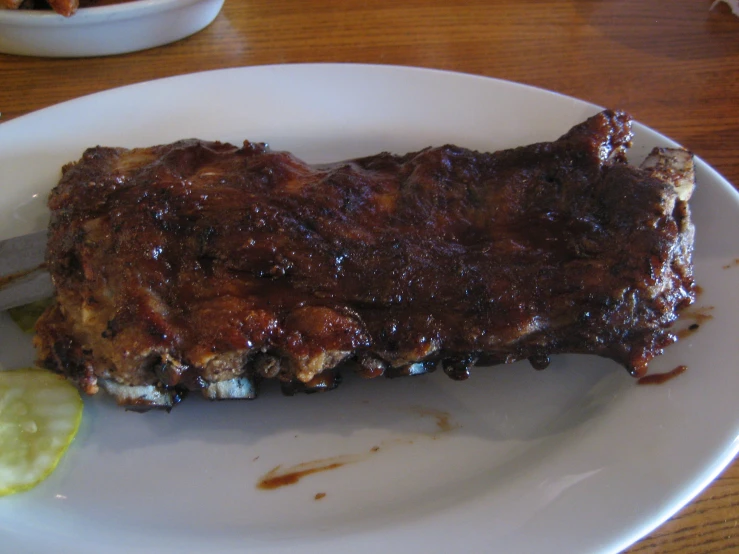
column 40, row 413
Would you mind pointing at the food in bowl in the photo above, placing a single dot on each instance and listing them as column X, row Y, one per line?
column 63, row 7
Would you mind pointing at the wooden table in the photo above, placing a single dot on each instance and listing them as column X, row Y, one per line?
column 673, row 65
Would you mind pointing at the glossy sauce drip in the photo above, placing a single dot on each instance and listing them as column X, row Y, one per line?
column 281, row 476
column 688, row 331
column 698, row 315
column 735, row 263
column 660, row 378
column 275, row 480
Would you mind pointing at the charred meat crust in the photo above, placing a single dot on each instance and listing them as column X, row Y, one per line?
column 195, row 263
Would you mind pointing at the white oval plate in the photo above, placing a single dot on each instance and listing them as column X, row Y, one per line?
column 104, row 30
column 577, row 458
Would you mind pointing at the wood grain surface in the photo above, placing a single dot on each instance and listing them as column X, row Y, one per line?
column 673, row 65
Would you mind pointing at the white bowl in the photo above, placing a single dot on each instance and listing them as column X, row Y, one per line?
column 104, row 30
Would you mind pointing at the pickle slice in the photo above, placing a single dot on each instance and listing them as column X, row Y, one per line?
column 40, row 413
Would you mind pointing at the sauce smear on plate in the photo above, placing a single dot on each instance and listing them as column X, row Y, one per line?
column 660, row 378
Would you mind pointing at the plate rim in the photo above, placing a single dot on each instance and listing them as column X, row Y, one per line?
column 701, row 481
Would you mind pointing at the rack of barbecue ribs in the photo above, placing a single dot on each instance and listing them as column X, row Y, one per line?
column 203, row 266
